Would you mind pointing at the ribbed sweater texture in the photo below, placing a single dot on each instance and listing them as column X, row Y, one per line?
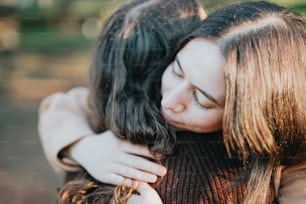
column 200, row 172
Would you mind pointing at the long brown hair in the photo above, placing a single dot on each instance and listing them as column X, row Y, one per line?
column 264, row 47
column 135, row 45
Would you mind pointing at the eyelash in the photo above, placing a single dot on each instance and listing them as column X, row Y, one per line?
column 196, row 100
column 174, row 73
column 194, row 94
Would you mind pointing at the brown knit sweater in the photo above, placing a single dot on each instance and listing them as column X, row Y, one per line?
column 200, row 171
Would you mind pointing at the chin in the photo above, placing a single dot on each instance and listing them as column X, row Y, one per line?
column 179, row 129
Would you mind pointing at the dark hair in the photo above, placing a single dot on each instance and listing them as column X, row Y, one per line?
column 136, row 44
column 264, row 48
column 134, row 48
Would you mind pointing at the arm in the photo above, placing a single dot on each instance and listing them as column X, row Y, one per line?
column 62, row 122
column 292, row 185
column 69, row 142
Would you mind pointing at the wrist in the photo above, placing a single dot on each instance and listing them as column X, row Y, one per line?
column 77, row 151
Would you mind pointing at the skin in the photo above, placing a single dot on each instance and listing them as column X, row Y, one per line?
column 193, row 88
column 120, row 156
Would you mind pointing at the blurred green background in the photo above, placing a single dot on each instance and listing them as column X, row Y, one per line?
column 45, row 46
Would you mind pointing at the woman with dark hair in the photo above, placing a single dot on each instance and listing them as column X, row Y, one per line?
column 138, row 35
column 217, row 74
column 135, row 46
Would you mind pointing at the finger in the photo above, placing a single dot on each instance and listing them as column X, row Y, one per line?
column 116, row 179
column 141, row 150
column 132, row 173
column 143, row 164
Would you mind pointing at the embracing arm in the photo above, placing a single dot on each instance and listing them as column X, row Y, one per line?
column 292, row 185
column 69, row 142
column 62, row 122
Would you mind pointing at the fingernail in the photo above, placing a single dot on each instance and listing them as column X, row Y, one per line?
column 162, row 171
column 153, row 178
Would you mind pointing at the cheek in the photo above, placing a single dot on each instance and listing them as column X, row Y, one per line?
column 209, row 121
column 166, row 81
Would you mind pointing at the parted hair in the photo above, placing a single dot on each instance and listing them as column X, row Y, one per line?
column 264, row 47
column 135, row 45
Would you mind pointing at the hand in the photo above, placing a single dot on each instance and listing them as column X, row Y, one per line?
column 147, row 195
column 115, row 161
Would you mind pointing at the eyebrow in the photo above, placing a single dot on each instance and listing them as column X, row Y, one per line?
column 209, row 96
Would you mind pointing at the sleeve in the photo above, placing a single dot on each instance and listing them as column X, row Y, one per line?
column 292, row 185
column 63, row 120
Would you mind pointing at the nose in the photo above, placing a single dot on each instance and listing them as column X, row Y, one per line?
column 175, row 99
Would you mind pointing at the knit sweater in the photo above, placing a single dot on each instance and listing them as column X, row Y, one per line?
column 200, row 171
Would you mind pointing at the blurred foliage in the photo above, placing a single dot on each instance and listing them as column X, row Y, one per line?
column 51, row 25
column 61, row 10
column 55, row 25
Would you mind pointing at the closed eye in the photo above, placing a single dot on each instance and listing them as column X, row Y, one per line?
column 176, row 70
column 197, row 101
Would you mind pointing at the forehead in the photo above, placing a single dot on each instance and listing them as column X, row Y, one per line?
column 202, row 63
column 200, row 51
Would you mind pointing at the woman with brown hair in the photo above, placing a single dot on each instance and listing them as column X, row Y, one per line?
column 259, row 49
